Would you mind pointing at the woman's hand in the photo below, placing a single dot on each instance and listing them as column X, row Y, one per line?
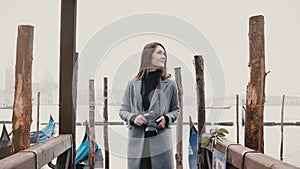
column 161, row 122
column 140, row 120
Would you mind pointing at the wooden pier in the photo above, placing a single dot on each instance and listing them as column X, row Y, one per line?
column 240, row 157
column 40, row 154
column 63, row 146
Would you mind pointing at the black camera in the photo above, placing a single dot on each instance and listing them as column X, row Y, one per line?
column 151, row 128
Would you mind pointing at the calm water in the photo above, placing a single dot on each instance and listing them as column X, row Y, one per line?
column 118, row 134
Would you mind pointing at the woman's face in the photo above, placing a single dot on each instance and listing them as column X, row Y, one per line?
column 158, row 57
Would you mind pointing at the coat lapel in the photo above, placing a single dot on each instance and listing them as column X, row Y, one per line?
column 163, row 85
column 137, row 94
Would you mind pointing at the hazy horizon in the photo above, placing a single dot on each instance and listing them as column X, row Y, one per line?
column 223, row 24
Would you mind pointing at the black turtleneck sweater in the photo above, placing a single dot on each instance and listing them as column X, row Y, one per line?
column 149, row 84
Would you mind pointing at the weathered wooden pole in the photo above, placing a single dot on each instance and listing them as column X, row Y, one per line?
column 22, row 109
column 92, row 125
column 38, row 118
column 199, row 68
column 67, row 86
column 243, row 112
column 178, row 156
column 105, row 128
column 282, row 122
column 254, row 136
column 237, row 120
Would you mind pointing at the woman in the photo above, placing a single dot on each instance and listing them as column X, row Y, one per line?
column 150, row 106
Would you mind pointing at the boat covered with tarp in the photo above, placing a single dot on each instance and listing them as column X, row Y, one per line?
column 82, row 153
column 45, row 133
column 5, row 143
column 193, row 141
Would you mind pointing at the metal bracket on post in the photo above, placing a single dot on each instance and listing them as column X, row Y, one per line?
column 68, row 159
column 35, row 156
column 244, row 156
column 227, row 147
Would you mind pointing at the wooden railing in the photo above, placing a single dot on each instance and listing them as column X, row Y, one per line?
column 240, row 157
column 38, row 155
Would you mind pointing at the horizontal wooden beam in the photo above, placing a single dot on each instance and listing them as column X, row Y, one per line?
column 242, row 157
column 38, row 155
column 18, row 160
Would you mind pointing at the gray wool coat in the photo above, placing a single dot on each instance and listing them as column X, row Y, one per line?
column 161, row 145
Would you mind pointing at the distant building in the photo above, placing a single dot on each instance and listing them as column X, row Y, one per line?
column 48, row 90
column 47, row 87
column 9, row 86
column 2, row 101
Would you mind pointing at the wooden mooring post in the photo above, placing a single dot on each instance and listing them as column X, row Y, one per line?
column 282, row 125
column 67, row 83
column 22, row 109
column 254, row 126
column 105, row 128
column 237, row 120
column 178, row 156
column 38, row 118
column 92, row 125
column 199, row 68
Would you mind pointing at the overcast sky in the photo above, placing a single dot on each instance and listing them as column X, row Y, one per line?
column 224, row 24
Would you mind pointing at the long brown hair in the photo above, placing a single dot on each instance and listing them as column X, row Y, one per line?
column 146, row 60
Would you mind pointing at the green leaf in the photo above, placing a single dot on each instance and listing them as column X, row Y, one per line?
column 221, row 135
column 206, row 137
column 205, row 142
column 223, row 131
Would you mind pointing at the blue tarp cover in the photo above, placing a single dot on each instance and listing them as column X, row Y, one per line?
column 83, row 151
column 45, row 133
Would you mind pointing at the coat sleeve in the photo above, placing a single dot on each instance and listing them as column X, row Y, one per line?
column 125, row 110
column 174, row 105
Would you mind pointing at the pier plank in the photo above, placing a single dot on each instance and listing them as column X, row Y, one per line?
column 39, row 154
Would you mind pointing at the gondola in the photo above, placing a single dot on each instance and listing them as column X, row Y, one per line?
column 45, row 133
column 82, row 153
column 5, row 143
column 193, row 141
